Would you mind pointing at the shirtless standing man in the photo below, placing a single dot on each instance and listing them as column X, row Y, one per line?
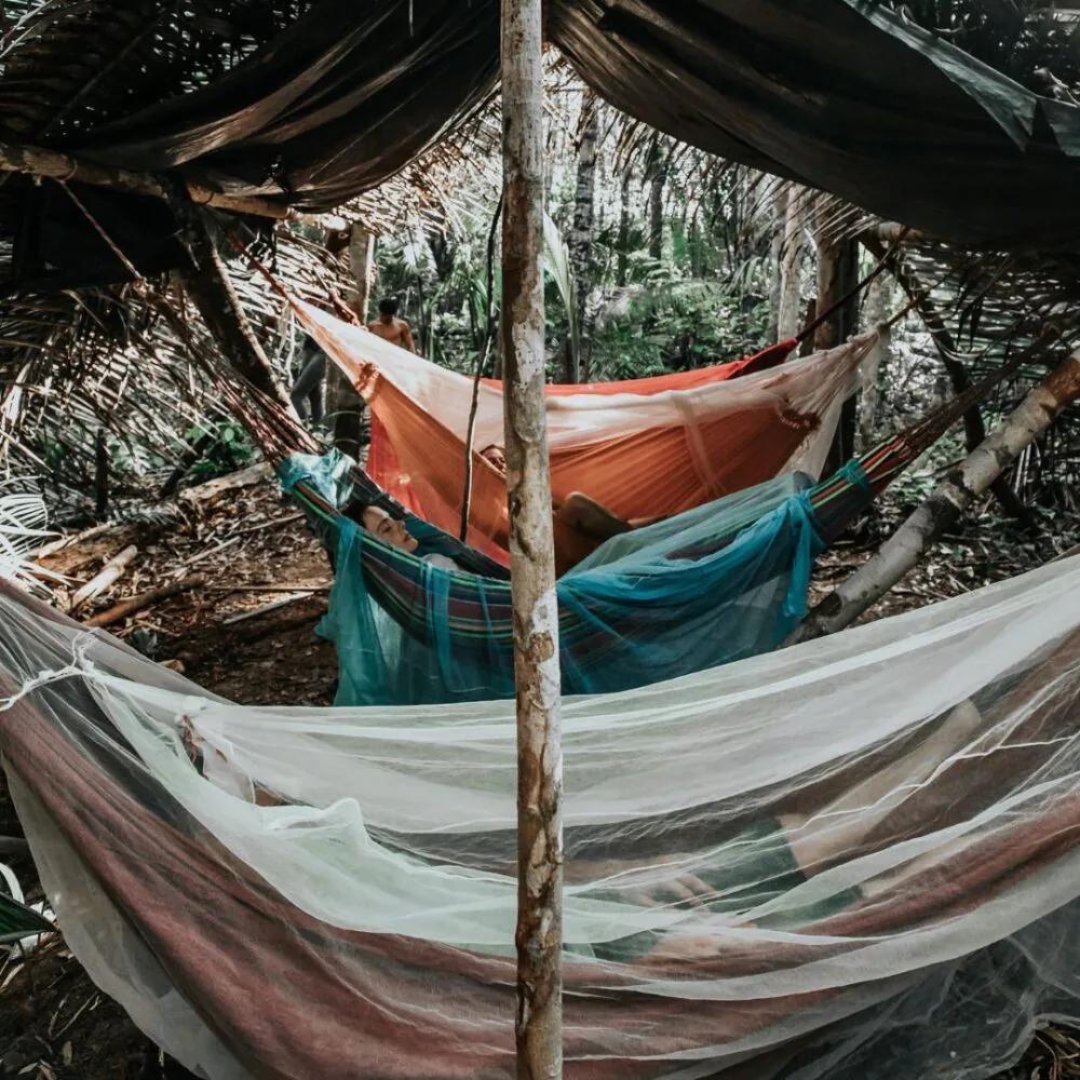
column 389, row 327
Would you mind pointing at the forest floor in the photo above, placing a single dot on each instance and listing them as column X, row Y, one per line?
column 251, row 550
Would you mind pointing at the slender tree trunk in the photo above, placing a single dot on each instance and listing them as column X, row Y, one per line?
column 877, row 361
column 838, row 271
column 343, row 403
column 622, row 270
column 581, row 231
column 207, row 283
column 657, row 180
column 942, row 509
column 101, row 474
column 776, row 295
column 791, row 301
column 532, row 553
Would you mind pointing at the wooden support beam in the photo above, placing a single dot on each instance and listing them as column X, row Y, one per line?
column 532, row 553
column 54, row 165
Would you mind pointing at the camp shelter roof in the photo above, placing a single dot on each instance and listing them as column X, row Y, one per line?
column 328, row 98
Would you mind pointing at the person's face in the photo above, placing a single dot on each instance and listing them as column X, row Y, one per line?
column 387, row 529
column 494, row 455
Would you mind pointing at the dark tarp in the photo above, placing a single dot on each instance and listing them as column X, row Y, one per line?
column 838, row 94
column 57, row 244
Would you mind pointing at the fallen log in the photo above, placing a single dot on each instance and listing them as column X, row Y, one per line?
column 144, row 600
column 108, row 574
column 943, row 508
column 212, row 490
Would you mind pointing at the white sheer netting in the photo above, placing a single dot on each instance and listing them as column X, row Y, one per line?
column 853, row 858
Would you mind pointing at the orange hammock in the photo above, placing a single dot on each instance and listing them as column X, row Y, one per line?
column 644, row 449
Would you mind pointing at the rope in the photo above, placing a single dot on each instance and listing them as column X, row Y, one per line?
column 79, row 666
column 125, row 261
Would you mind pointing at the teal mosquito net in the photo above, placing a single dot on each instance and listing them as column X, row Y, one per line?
column 722, row 582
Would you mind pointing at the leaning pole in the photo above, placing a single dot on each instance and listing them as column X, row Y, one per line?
column 538, row 1024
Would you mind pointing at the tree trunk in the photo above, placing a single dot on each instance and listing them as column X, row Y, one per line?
column 532, row 553
column 776, row 295
column 876, row 362
column 791, row 302
column 657, row 180
column 942, row 509
column 207, row 283
column 343, row 403
column 101, row 474
column 581, row 231
column 838, row 271
column 622, row 270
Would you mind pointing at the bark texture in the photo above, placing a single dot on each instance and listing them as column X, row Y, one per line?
column 581, row 232
column 876, row 362
column 536, row 642
column 343, row 403
column 791, row 307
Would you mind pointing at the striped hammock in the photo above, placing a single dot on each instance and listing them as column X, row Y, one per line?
column 710, row 586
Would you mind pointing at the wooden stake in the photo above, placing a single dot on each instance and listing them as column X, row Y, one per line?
column 532, row 553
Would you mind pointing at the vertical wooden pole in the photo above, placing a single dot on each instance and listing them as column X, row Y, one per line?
column 532, row 554
column 343, row 403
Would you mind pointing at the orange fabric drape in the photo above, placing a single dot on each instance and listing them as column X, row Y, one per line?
column 655, row 473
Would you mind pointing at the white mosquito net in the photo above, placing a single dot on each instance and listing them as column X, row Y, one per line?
column 858, row 857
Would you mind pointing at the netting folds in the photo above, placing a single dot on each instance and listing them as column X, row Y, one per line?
column 716, row 584
column 858, row 857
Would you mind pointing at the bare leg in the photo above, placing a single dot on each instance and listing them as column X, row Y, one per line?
column 590, row 517
column 847, row 821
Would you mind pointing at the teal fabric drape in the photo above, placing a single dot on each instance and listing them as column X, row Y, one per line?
column 722, row 582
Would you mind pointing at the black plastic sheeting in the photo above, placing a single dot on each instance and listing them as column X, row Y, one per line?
column 837, row 94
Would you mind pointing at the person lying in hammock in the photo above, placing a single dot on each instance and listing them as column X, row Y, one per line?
column 577, row 512
column 395, row 534
column 775, row 855
column 766, row 860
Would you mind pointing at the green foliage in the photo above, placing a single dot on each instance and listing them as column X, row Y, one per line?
column 678, row 327
column 231, row 449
